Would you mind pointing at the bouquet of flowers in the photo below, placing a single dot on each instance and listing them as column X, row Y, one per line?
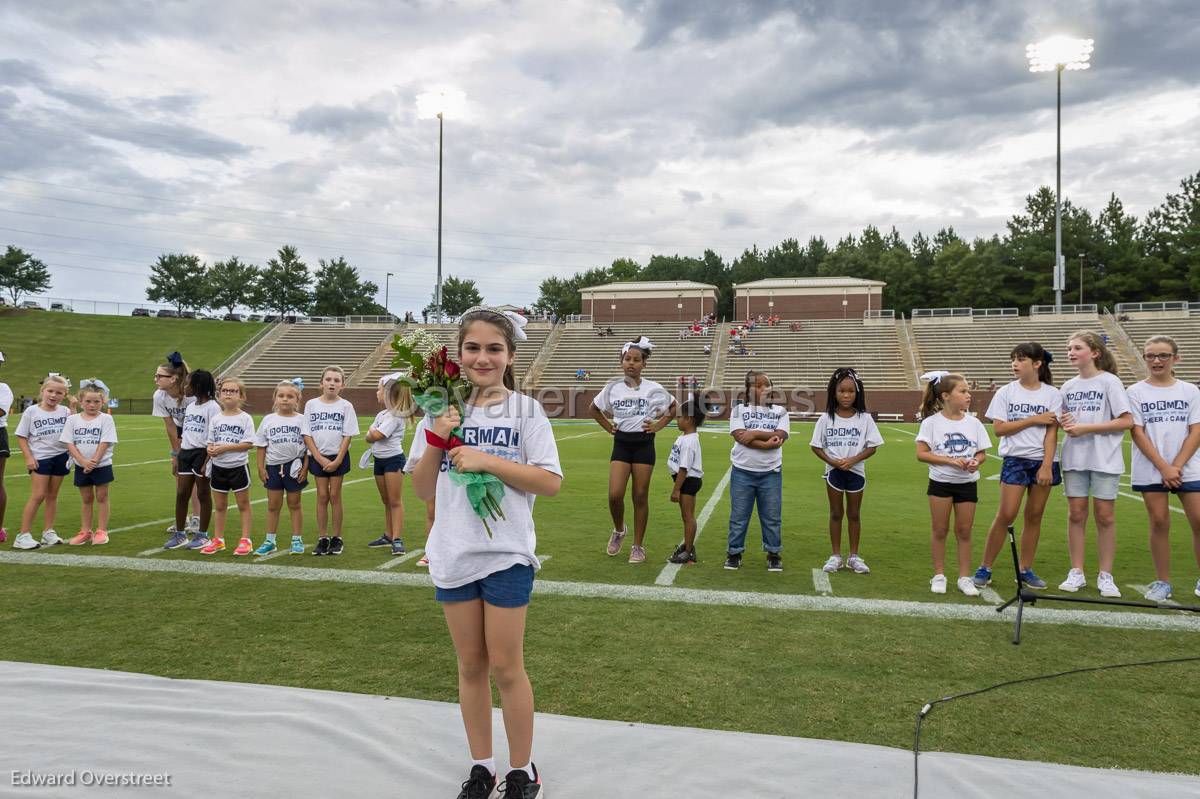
column 437, row 384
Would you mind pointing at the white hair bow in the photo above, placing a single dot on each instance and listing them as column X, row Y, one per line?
column 518, row 323
column 392, row 378
column 642, row 343
column 934, row 376
column 93, row 382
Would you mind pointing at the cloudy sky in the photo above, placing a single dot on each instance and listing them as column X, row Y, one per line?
column 592, row 130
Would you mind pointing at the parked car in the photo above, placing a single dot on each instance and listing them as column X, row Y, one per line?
column 61, row 306
column 140, row 312
column 187, row 314
column 32, row 305
column 255, row 317
column 167, row 313
column 212, row 317
column 232, row 317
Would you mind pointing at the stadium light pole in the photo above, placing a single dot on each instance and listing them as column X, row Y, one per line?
column 386, row 286
column 1058, row 53
column 429, row 105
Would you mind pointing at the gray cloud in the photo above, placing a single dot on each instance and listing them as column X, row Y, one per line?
column 350, row 121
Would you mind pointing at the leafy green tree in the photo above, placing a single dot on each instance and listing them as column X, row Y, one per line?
column 283, row 286
column 231, row 283
column 180, row 280
column 21, row 273
column 340, row 291
column 1171, row 237
column 457, row 296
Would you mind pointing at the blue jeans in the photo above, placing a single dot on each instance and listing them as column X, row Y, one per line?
column 767, row 489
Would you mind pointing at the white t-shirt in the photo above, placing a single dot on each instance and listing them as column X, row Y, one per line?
column 1095, row 400
column 845, row 437
column 685, row 454
column 391, row 426
column 6, row 401
column 1165, row 414
column 88, row 434
column 758, row 417
column 196, row 418
column 165, row 405
column 328, row 423
column 953, row 438
column 631, row 407
column 236, row 429
column 1012, row 403
column 458, row 547
column 43, row 429
column 414, row 453
column 282, row 437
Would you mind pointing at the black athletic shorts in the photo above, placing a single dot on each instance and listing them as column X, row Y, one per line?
column 191, row 461
column 959, row 492
column 4, row 450
column 691, row 485
column 230, row 478
column 633, row 448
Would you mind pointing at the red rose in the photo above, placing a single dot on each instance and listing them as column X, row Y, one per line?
column 452, row 370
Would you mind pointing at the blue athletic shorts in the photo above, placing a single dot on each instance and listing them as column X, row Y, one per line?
column 392, row 464
column 315, row 469
column 1023, row 472
column 101, row 475
column 53, row 467
column 504, row 589
column 846, row 481
column 279, row 478
column 1187, row 487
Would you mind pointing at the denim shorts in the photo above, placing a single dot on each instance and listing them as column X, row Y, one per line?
column 53, row 467
column 504, row 589
column 1082, row 482
column 1187, row 487
column 1023, row 472
column 393, row 464
column 846, row 481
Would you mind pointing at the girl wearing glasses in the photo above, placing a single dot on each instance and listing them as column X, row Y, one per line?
column 170, row 402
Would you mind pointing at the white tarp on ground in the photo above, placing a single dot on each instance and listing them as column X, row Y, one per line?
column 216, row 739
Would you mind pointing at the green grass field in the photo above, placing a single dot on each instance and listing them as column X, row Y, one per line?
column 120, row 350
column 724, row 659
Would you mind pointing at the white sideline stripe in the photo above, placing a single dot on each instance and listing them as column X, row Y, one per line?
column 667, row 575
column 394, row 562
column 1139, row 499
column 691, row 596
column 821, row 582
column 581, row 435
column 115, row 466
column 542, row 559
column 252, row 502
column 901, row 430
column 1142, row 589
column 991, row 596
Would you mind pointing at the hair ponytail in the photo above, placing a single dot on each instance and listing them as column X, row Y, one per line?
column 1035, row 352
column 931, row 399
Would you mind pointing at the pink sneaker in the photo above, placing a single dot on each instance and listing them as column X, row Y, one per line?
column 214, row 546
column 3, row 535
column 423, row 562
column 245, row 547
column 614, row 542
column 82, row 537
column 637, row 554
column 99, row 537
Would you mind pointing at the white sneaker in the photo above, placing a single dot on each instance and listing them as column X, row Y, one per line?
column 171, row 529
column 1197, row 591
column 967, row 586
column 858, row 565
column 193, row 525
column 833, row 564
column 50, row 538
column 1108, row 588
column 1075, row 580
column 25, row 541
column 938, row 584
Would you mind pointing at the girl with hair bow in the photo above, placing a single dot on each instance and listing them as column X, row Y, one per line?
column 170, row 403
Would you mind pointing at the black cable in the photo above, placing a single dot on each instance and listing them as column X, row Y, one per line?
column 930, row 705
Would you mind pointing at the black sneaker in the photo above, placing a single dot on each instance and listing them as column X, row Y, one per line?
column 322, row 547
column 680, row 548
column 479, row 785
column 682, row 556
column 335, row 545
column 382, row 541
column 733, row 561
column 517, row 784
column 774, row 562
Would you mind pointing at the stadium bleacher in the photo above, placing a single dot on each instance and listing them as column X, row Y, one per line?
column 1186, row 332
column 304, row 350
column 527, row 351
column 582, row 347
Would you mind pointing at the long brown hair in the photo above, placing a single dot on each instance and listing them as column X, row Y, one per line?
column 931, row 400
column 1105, row 361
column 180, row 374
column 501, row 323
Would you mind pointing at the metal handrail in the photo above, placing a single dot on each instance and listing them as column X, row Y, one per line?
column 1044, row 310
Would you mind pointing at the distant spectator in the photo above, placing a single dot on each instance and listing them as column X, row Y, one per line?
column 708, row 349
column 695, row 383
column 975, row 385
column 582, row 374
column 424, row 317
column 991, row 385
column 796, row 327
column 608, row 331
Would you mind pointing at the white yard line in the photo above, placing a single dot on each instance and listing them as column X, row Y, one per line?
column 115, row 466
column 901, row 430
column 543, row 559
column 396, row 561
column 961, row 611
column 581, row 435
column 1142, row 589
column 284, row 550
column 1139, row 499
column 667, row 575
column 821, row 582
column 991, row 596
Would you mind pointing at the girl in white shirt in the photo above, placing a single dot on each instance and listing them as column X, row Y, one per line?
column 484, row 581
column 329, row 424
column 6, row 401
column 170, row 403
column 191, row 472
column 1166, row 432
column 953, row 443
column 283, row 463
column 230, row 439
column 632, row 410
column 91, row 436
column 844, row 437
column 1095, row 417
column 1024, row 415
column 686, row 467
column 39, row 436
column 386, row 437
